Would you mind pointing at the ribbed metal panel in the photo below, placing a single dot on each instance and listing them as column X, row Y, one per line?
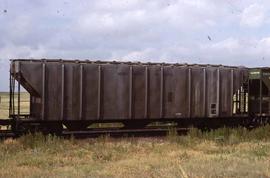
column 94, row 90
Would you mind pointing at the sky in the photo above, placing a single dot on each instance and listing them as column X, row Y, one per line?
column 228, row 32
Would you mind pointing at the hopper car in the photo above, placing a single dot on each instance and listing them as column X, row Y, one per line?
column 76, row 94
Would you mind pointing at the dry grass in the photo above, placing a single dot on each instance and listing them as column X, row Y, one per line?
column 221, row 153
column 4, row 104
column 173, row 156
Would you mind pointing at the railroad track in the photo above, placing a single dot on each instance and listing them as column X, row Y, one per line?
column 147, row 132
column 93, row 133
column 6, row 134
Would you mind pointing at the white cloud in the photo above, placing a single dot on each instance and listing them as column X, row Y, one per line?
column 11, row 51
column 253, row 16
column 117, row 5
column 153, row 30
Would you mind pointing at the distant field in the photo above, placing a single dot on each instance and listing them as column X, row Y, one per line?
column 4, row 104
column 221, row 153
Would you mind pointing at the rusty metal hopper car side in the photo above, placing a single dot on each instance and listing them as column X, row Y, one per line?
column 79, row 93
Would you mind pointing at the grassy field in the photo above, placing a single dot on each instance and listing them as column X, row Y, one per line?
column 220, row 153
column 4, row 104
